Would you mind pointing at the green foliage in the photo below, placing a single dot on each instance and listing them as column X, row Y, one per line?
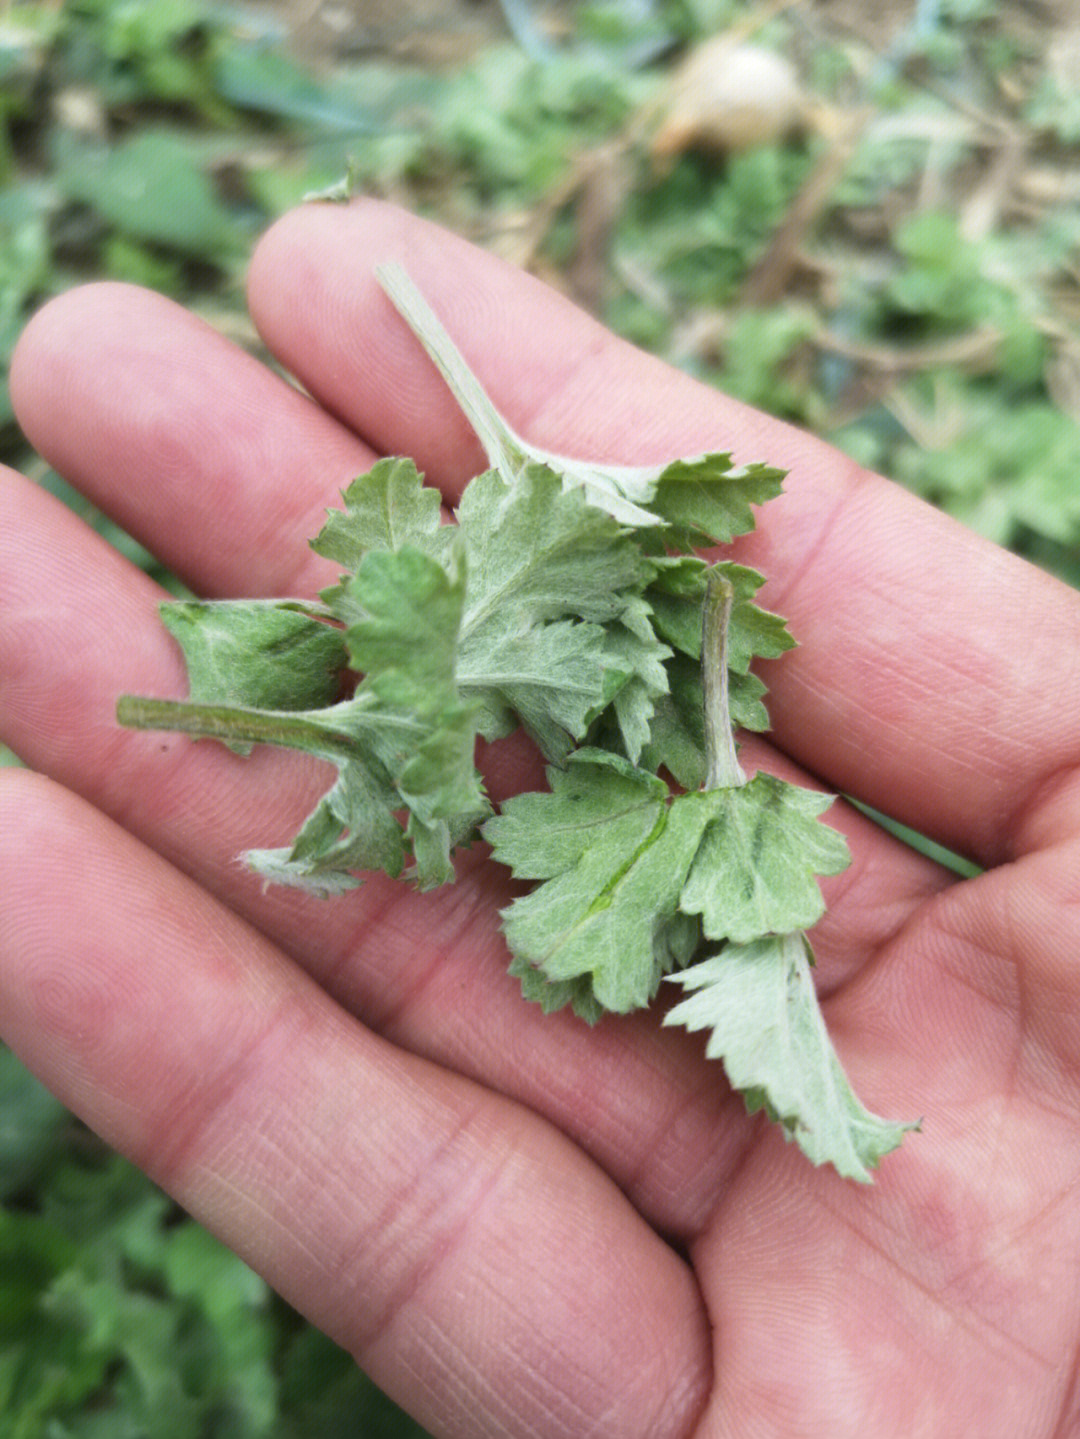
column 623, row 862
column 1054, row 109
column 32, row 1124
column 195, row 129
column 697, row 231
column 1009, row 473
column 999, row 470
column 636, row 883
column 120, row 1316
column 299, row 659
column 764, row 358
column 757, row 1001
column 160, row 109
column 612, row 850
column 536, row 118
column 546, row 607
column 24, row 274
column 153, row 188
column 536, row 609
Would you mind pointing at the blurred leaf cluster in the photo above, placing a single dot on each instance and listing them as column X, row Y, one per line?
column 121, row 1318
column 128, row 136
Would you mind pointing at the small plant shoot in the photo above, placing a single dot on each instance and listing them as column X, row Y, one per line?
column 566, row 600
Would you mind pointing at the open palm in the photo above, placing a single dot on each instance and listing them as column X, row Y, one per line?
column 520, row 1226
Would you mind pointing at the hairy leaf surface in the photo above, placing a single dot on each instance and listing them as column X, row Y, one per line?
column 563, row 597
column 755, row 872
column 614, row 851
column 269, row 654
column 758, row 1003
column 547, row 574
column 385, row 508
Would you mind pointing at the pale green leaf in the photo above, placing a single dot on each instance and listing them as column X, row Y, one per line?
column 404, row 637
column 352, row 829
column 407, row 613
column 508, row 453
column 407, row 610
column 321, row 878
column 547, row 678
column 354, row 826
column 553, row 592
column 758, row 1003
column 755, row 872
column 635, row 675
column 701, row 501
column 388, row 507
column 708, row 500
column 536, row 549
column 614, row 851
column 678, row 593
column 554, row 994
column 546, row 573
column 676, row 732
column 677, row 729
column 540, row 834
column 269, row 654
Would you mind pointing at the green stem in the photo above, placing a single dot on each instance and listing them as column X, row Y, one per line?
column 499, row 442
column 723, row 770
column 233, row 725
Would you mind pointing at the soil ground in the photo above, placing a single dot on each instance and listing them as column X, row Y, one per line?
column 445, row 32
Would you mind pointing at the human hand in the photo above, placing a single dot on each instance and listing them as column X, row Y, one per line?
column 519, row 1225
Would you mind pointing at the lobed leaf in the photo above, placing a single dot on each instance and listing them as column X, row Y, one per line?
column 707, row 501
column 267, row 654
column 564, row 600
column 676, row 597
column 554, row 586
column 757, row 1001
column 614, row 852
column 755, row 872
column 385, row 508
column 701, row 501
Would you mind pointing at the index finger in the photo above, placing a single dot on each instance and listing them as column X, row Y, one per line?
column 922, row 684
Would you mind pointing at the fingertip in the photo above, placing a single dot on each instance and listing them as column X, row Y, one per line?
column 36, row 348
column 65, row 321
column 76, row 347
column 315, row 265
column 314, row 238
column 304, row 232
column 20, row 788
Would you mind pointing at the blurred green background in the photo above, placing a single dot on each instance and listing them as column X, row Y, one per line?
column 878, row 239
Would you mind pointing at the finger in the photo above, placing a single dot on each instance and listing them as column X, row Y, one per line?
column 216, row 464
column 488, row 1276
column 428, row 971
column 67, row 654
column 219, row 500
column 920, row 684
column 221, row 490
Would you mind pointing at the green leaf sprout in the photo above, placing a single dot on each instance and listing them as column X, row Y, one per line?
column 566, row 600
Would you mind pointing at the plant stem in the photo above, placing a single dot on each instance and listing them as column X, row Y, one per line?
column 499, row 442
column 723, row 770
column 234, row 726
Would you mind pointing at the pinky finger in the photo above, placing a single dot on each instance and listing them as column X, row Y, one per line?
column 486, row 1273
